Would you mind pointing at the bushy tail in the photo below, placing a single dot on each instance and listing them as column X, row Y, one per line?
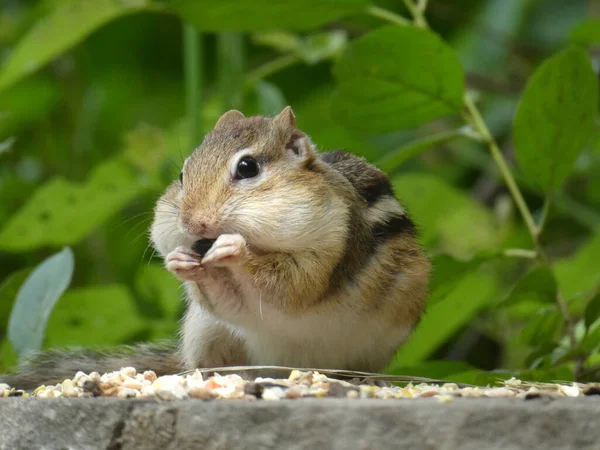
column 53, row 366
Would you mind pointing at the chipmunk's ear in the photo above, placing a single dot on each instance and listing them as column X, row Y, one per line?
column 297, row 143
column 228, row 118
column 285, row 120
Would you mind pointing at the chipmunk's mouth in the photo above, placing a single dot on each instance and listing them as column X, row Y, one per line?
column 201, row 246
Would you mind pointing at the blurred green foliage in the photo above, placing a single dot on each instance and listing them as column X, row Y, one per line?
column 488, row 126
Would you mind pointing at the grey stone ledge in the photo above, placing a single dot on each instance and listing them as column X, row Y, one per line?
column 108, row 423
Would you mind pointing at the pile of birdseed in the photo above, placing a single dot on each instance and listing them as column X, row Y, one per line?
column 128, row 383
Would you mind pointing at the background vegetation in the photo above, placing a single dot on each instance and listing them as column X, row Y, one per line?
column 488, row 126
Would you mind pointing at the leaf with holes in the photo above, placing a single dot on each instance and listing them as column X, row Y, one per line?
column 87, row 316
column 555, row 118
column 62, row 213
column 25, row 104
column 36, row 299
column 157, row 286
column 397, row 77
column 68, row 24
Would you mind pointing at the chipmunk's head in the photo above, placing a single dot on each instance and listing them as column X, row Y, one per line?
column 255, row 176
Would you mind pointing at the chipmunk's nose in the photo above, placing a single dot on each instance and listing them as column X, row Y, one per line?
column 200, row 228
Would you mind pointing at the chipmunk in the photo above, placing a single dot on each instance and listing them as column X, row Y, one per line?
column 314, row 262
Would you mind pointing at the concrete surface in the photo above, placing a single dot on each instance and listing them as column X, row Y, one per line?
column 105, row 423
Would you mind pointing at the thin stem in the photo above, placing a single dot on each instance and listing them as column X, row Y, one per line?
column 479, row 125
column 580, row 212
column 520, row 253
column 475, row 118
column 192, row 57
column 231, row 68
column 564, row 309
column 544, row 216
column 393, row 160
column 388, row 16
column 417, row 12
column 270, row 68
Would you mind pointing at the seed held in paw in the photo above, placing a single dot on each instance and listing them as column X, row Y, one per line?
column 201, row 246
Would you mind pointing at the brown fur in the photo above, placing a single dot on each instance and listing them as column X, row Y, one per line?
column 315, row 263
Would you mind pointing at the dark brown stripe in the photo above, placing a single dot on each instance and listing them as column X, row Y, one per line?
column 369, row 182
column 393, row 226
column 376, row 189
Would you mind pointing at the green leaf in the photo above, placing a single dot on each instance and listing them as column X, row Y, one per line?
column 62, row 213
column 394, row 159
column 428, row 198
column 591, row 341
column 8, row 294
column 538, row 285
column 271, row 100
column 314, row 115
column 555, row 117
column 430, row 369
column 68, row 24
column 157, row 286
column 446, row 317
column 586, row 33
column 8, row 356
column 447, row 272
column 148, row 149
column 544, row 327
column 578, row 275
column 25, row 103
column 36, row 299
column 88, row 317
column 395, row 78
column 592, row 311
column 253, row 15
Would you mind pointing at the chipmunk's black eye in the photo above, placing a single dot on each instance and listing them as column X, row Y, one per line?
column 246, row 168
column 181, row 177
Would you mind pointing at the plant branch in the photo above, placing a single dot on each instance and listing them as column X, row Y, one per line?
column 475, row 118
column 580, row 212
column 192, row 57
column 387, row 15
column 230, row 47
column 520, row 253
column 481, row 127
column 394, row 159
column 544, row 217
column 418, row 12
column 270, row 68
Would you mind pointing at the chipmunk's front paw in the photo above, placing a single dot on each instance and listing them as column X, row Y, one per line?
column 185, row 264
column 228, row 249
